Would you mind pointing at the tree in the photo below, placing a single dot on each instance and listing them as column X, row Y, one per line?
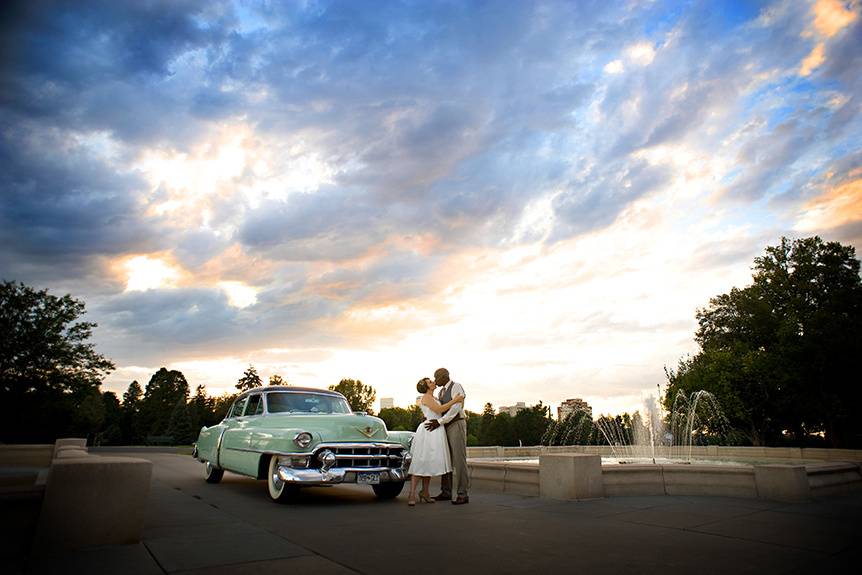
column 88, row 415
column 781, row 353
column 48, row 367
column 529, row 424
column 180, row 426
column 163, row 391
column 396, row 419
column 111, row 432
column 359, row 396
column 131, row 408
column 276, row 379
column 249, row 380
column 486, row 422
column 474, row 424
column 201, row 409
column 220, row 406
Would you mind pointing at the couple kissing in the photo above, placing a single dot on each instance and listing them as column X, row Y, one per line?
column 439, row 447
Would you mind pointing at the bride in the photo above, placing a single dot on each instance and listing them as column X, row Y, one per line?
column 430, row 449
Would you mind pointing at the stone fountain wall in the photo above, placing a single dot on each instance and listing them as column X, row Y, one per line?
column 577, row 473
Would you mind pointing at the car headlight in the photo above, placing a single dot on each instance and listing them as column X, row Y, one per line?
column 302, row 439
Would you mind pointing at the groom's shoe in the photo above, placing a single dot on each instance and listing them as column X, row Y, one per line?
column 442, row 497
column 461, row 500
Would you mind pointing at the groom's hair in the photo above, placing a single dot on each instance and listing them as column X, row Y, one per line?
column 441, row 375
column 422, row 386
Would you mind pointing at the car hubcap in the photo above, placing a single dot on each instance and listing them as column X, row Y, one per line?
column 209, row 468
column 276, row 481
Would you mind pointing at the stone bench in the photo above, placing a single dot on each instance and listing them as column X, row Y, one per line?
column 91, row 500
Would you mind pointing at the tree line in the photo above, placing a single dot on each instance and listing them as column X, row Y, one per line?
column 487, row 428
column 779, row 355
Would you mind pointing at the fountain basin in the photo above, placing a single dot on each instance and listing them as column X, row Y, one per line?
column 766, row 475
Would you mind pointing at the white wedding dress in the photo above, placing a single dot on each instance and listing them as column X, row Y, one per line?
column 430, row 449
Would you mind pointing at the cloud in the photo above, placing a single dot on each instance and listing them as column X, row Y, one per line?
column 413, row 179
column 830, row 18
column 63, row 203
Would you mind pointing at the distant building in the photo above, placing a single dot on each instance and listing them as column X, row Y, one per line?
column 571, row 406
column 512, row 409
column 418, row 400
column 387, row 403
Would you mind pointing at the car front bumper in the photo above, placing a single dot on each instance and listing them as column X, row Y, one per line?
column 334, row 476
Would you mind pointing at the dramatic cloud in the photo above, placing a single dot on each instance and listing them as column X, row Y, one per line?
column 536, row 194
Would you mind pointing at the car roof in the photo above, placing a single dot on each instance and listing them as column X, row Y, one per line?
column 289, row 389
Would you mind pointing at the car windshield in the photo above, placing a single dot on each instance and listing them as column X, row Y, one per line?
column 293, row 402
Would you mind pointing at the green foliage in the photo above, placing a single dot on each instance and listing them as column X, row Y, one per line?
column 48, row 369
column 781, row 354
column 162, row 393
column 527, row 427
column 111, row 432
column 249, row 380
column 400, row 419
column 201, row 409
column 359, row 396
column 130, row 424
column 220, row 406
column 180, row 427
column 276, row 379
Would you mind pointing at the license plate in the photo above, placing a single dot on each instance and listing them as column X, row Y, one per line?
column 368, row 478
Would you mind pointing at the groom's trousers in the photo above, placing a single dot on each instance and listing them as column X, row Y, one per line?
column 456, row 433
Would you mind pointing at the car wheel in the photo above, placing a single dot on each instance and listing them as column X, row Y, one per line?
column 388, row 490
column 280, row 491
column 212, row 474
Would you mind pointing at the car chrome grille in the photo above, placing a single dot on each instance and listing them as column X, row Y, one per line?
column 363, row 456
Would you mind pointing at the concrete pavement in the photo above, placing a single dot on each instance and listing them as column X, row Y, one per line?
column 234, row 528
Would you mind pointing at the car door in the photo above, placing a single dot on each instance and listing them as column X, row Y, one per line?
column 231, row 440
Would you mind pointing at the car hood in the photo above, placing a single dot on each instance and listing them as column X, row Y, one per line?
column 332, row 427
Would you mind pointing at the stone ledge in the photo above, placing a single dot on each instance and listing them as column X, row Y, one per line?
column 93, row 501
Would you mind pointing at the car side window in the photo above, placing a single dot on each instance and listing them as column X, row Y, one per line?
column 254, row 405
column 238, row 406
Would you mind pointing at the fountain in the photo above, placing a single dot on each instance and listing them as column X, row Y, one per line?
column 579, row 458
column 647, row 437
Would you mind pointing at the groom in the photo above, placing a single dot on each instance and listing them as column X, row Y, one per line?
column 456, row 433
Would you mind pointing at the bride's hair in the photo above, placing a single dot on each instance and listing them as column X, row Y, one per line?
column 422, row 386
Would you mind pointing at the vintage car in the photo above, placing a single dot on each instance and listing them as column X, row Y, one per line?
column 295, row 437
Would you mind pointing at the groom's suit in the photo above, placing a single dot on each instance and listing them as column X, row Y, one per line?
column 456, row 433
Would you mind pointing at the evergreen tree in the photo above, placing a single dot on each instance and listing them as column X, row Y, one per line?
column 164, row 390
column 201, row 408
column 111, row 432
column 130, row 422
column 276, row 379
column 180, row 426
column 249, row 380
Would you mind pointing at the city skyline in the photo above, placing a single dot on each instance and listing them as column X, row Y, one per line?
column 537, row 196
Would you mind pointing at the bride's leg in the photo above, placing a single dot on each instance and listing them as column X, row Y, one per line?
column 411, row 499
column 426, row 484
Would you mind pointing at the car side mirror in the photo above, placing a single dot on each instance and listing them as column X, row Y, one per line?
column 360, row 413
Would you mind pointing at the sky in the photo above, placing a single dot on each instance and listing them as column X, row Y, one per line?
column 536, row 195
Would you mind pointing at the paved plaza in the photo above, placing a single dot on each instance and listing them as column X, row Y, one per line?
column 234, row 528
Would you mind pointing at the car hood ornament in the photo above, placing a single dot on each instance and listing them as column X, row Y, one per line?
column 367, row 431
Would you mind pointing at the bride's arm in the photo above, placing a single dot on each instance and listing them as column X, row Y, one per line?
column 453, row 401
column 441, row 409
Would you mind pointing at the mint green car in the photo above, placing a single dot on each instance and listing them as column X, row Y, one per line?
column 295, row 437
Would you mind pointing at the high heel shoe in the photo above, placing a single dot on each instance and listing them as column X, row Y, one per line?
column 425, row 498
column 411, row 502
